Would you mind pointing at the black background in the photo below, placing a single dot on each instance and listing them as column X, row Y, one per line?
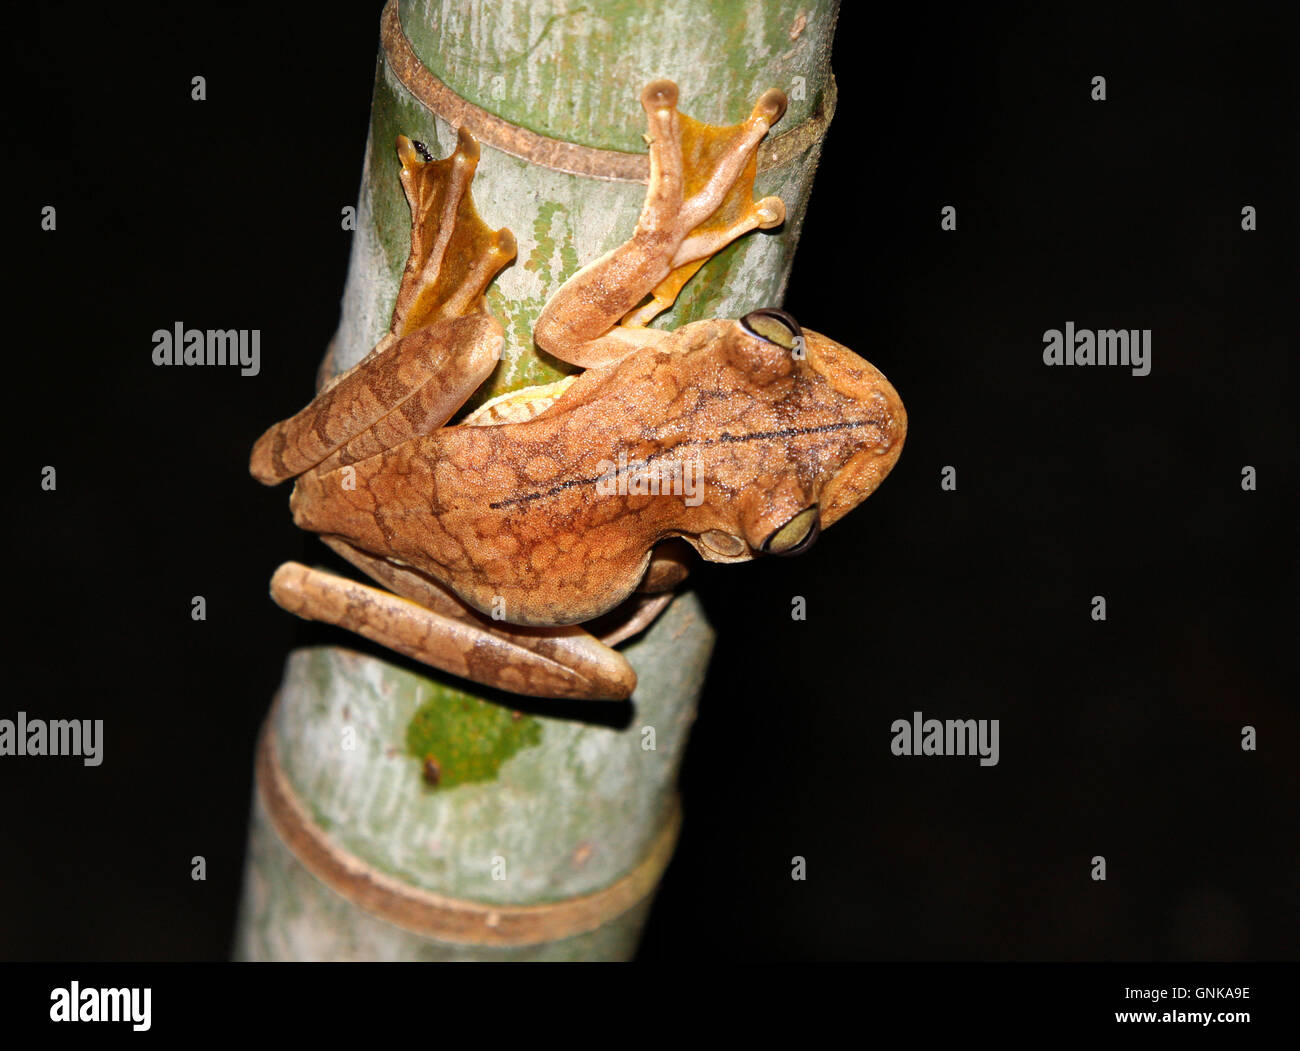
column 1118, row 738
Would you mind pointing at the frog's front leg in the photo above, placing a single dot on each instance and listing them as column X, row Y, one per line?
column 424, row 621
column 699, row 199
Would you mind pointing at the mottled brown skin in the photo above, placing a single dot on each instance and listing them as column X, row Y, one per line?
column 494, row 534
column 513, row 511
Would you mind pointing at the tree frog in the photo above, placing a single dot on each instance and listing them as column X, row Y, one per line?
column 496, row 537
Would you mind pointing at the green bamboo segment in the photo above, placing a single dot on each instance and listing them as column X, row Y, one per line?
column 420, row 807
column 575, row 71
column 567, row 814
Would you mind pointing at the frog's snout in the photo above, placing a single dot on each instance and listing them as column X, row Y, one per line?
column 857, row 380
column 874, row 399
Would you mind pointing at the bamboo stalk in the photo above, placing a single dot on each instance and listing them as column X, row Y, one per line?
column 544, row 836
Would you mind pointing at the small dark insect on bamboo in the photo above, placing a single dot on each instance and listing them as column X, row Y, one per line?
column 432, row 771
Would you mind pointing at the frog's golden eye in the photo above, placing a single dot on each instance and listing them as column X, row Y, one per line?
column 774, row 326
column 797, row 535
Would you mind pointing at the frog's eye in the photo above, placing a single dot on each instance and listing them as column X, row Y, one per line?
column 797, row 535
column 774, row 326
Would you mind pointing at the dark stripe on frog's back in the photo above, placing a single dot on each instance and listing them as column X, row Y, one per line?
column 672, row 385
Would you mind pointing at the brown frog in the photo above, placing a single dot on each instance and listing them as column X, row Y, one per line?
column 552, row 506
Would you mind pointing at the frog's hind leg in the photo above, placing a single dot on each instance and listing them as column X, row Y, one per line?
column 408, row 386
column 443, row 342
column 427, row 623
column 699, row 199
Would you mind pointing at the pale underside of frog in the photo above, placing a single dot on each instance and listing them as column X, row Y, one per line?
column 559, row 504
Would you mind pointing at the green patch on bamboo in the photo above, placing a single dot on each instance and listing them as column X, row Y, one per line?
column 551, row 235
column 554, row 259
column 460, row 739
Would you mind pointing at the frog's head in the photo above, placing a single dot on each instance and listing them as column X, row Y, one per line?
column 824, row 429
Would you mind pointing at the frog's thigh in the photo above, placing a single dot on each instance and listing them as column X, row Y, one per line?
column 560, row 662
column 462, row 354
column 405, row 386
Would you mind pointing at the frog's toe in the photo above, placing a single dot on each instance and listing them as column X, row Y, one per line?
column 771, row 105
column 411, row 153
column 467, row 148
column 770, row 212
column 659, row 94
column 503, row 244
